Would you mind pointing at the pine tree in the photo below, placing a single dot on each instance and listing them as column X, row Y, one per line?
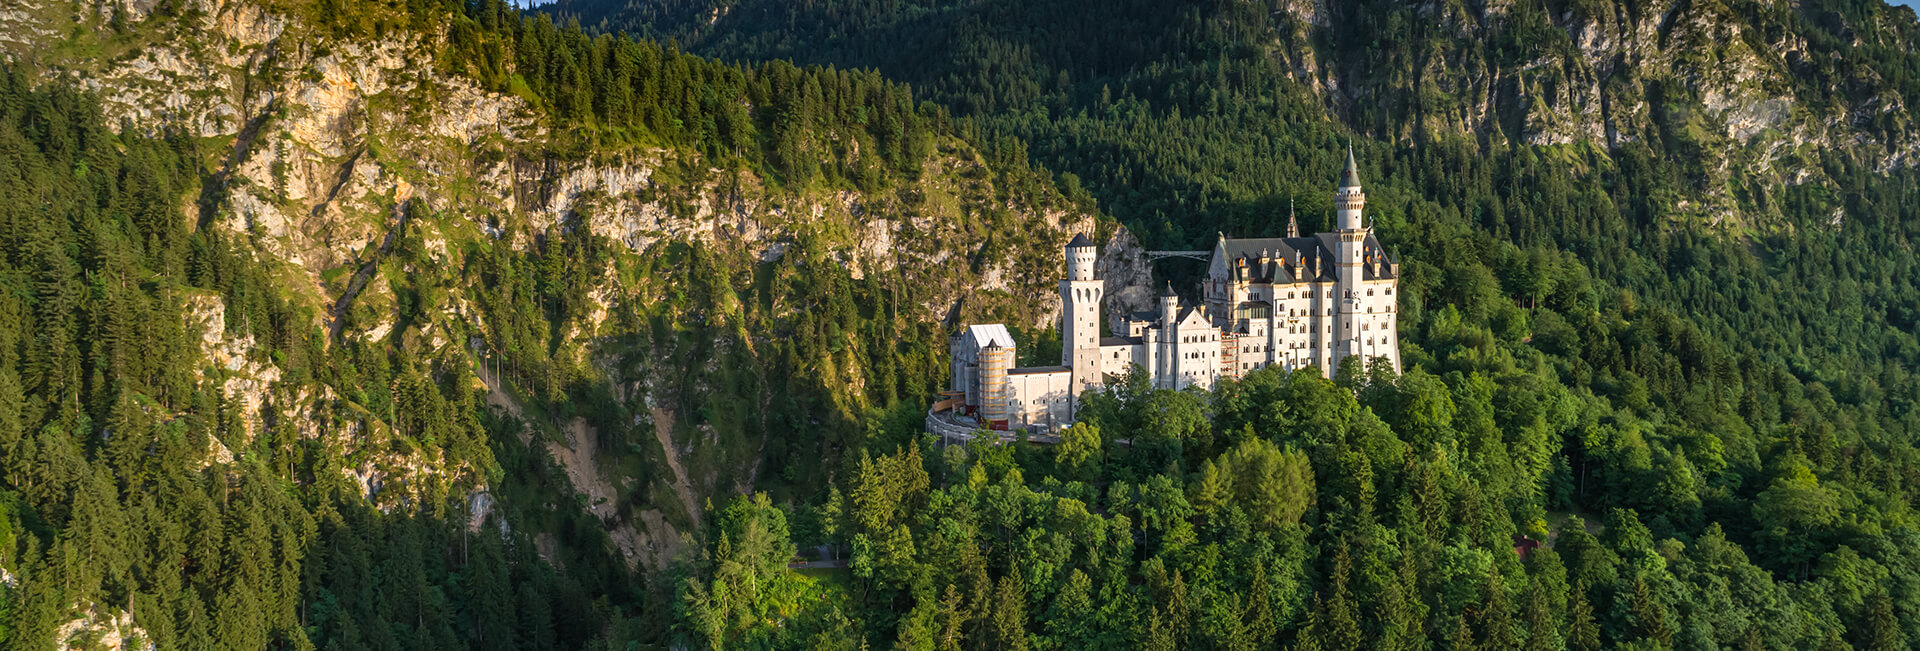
column 1542, row 632
column 1160, row 635
column 1834, row 643
column 1310, row 636
column 1582, row 632
column 1343, row 627
column 1257, row 612
column 489, row 598
column 1497, row 622
column 1009, row 615
column 1883, row 626
column 1462, row 637
column 1650, row 620
column 953, row 620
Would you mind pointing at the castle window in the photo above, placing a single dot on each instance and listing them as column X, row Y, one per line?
column 1369, row 292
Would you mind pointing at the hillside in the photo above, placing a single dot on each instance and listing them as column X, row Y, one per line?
column 407, row 284
column 1658, row 308
column 361, row 324
column 1742, row 94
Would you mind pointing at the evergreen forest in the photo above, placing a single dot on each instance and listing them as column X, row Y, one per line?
column 1624, row 421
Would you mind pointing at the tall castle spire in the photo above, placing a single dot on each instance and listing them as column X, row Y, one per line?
column 1348, row 200
column 1293, row 220
column 1350, row 178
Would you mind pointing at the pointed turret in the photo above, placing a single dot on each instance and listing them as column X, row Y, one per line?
column 1293, row 220
column 1169, row 309
column 1348, row 200
column 1350, row 177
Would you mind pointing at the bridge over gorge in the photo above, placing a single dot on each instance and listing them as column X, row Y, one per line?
column 1196, row 255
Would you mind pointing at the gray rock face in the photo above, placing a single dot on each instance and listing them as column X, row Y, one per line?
column 1129, row 277
column 1725, row 84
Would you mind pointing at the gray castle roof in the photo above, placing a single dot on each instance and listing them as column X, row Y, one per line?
column 1292, row 259
column 1079, row 240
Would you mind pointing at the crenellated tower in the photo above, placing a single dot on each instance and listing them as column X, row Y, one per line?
column 1080, row 295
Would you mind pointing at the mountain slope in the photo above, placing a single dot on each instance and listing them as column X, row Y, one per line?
column 428, row 285
column 1659, row 277
column 1741, row 93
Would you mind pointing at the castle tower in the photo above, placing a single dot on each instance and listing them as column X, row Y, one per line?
column 1349, row 202
column 1167, row 374
column 1080, row 296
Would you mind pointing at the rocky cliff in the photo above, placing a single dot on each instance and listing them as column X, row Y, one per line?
column 1742, row 90
column 335, row 153
column 1747, row 96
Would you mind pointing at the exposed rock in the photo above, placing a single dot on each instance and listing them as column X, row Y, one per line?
column 329, row 150
column 1129, row 278
column 112, row 630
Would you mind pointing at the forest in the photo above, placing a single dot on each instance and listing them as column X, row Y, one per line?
column 1617, row 427
column 138, row 480
column 1709, row 427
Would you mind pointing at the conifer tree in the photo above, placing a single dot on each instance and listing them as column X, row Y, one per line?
column 1310, row 637
column 1009, row 616
column 1542, row 631
column 1583, row 632
column 1650, row 620
column 1342, row 625
column 1497, row 619
column 1257, row 612
column 1882, row 627
column 1462, row 636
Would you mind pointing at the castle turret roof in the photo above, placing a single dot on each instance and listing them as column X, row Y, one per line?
column 1168, row 292
column 1080, row 240
column 1350, row 177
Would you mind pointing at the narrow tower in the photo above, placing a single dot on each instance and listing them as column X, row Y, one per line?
column 1166, row 376
column 1080, row 315
column 1348, row 200
column 1350, row 203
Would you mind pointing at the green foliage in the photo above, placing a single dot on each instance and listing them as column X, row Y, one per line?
column 1574, row 343
column 112, row 496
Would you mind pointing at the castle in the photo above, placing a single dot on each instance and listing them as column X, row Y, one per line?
column 1293, row 301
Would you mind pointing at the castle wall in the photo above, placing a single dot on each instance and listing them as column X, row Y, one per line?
column 1042, row 397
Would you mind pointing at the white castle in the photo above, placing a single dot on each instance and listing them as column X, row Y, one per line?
column 1292, row 301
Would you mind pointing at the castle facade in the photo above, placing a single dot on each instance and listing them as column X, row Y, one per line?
column 1317, row 301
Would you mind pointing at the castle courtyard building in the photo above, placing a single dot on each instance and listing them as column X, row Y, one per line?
column 1316, row 301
